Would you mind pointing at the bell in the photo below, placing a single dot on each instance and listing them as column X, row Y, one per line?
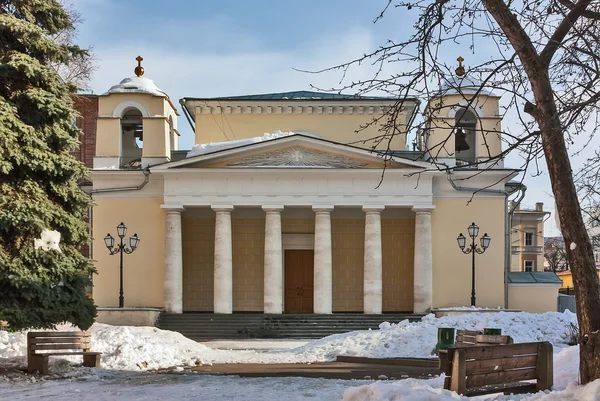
column 461, row 141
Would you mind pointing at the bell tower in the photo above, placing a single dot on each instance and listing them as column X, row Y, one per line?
column 136, row 126
column 463, row 123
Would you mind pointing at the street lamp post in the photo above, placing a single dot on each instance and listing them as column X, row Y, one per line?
column 473, row 249
column 109, row 241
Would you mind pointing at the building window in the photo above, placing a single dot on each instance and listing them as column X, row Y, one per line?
column 528, row 266
column 528, row 239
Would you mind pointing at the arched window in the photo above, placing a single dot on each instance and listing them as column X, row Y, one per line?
column 132, row 138
column 464, row 139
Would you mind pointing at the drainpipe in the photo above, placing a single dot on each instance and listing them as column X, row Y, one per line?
column 507, row 219
column 146, row 172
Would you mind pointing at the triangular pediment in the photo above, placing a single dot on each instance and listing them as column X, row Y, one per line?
column 297, row 156
column 295, row 151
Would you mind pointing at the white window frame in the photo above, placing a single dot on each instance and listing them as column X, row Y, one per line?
column 532, row 265
column 532, row 239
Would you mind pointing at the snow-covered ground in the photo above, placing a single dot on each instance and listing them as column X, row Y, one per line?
column 129, row 353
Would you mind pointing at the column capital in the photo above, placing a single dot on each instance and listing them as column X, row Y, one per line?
column 272, row 208
column 172, row 208
column 322, row 208
column 373, row 208
column 222, row 208
column 423, row 208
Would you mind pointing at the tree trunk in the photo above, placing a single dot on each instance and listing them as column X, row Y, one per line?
column 577, row 242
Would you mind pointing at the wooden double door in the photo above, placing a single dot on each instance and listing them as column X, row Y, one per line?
column 299, row 281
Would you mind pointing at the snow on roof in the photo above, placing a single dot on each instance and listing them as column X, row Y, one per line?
column 465, row 85
column 137, row 85
column 206, row 148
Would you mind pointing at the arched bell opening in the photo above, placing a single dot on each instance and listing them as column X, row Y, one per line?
column 132, row 138
column 465, row 136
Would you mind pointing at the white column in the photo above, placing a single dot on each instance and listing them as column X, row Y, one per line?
column 323, row 279
column 273, row 280
column 173, row 278
column 373, row 287
column 423, row 265
column 223, row 296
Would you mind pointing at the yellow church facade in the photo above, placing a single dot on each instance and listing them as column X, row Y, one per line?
column 290, row 203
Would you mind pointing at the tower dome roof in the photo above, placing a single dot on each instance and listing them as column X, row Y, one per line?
column 137, row 85
column 463, row 85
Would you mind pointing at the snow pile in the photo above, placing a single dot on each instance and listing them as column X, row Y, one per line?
column 205, row 148
column 418, row 340
column 143, row 348
column 421, row 390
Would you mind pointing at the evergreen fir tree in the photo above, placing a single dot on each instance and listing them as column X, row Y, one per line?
column 38, row 176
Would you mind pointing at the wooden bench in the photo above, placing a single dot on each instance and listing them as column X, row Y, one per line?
column 43, row 344
column 504, row 369
column 469, row 338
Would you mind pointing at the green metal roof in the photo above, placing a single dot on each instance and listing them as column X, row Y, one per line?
column 300, row 95
column 533, row 277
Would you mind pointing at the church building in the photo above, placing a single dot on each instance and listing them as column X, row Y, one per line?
column 298, row 203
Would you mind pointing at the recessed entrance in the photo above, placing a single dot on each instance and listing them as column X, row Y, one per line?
column 299, row 283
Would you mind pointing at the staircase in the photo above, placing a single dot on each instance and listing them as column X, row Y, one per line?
column 209, row 326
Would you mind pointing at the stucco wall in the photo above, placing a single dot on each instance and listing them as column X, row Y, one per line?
column 248, row 262
column 348, row 243
column 338, row 128
column 198, row 237
column 452, row 268
column 143, row 270
column 533, row 299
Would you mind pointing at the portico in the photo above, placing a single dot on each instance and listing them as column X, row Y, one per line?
column 324, row 237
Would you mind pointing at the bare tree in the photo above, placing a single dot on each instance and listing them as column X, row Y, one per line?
column 555, row 254
column 78, row 70
column 543, row 57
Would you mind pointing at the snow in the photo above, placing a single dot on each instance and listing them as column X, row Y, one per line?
column 136, row 85
column 206, row 148
column 573, row 246
column 130, row 354
column 49, row 240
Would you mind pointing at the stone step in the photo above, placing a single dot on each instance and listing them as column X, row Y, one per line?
column 208, row 326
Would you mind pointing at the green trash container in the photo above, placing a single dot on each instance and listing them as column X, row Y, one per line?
column 445, row 338
column 492, row 332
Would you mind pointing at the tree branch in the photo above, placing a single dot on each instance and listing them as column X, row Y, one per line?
column 561, row 31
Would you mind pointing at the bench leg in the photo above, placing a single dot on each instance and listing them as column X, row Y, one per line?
column 37, row 363
column 91, row 361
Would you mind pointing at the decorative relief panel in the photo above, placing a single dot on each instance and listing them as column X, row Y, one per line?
column 298, row 157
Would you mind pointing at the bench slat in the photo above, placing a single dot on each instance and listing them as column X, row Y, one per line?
column 510, row 376
column 477, row 367
column 59, row 346
column 492, row 339
column 494, row 352
column 56, row 340
column 68, row 353
column 66, row 334
column 514, row 388
column 470, row 333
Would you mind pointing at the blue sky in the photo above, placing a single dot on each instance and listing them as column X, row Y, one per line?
column 204, row 48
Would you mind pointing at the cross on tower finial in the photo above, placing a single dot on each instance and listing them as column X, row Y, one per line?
column 460, row 70
column 139, row 70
